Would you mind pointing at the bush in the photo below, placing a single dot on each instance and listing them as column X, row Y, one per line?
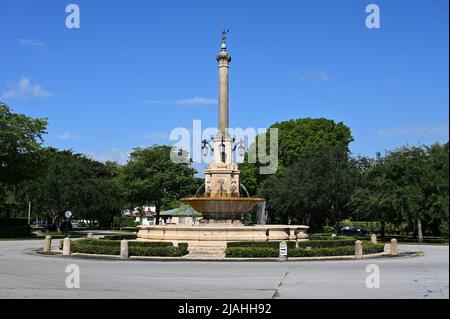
column 323, row 251
column 262, row 244
column 14, row 227
column 122, row 222
column 321, row 237
column 328, row 229
column 157, row 251
column 183, row 247
column 112, row 247
column 255, row 251
column 251, row 252
column 326, row 243
column 79, row 247
column 119, row 237
column 370, row 248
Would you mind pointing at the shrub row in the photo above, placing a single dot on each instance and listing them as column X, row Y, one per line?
column 112, row 243
column 326, row 243
column 253, row 252
column 314, row 243
column 119, row 237
column 110, row 247
column 173, row 251
column 329, row 238
column 261, row 244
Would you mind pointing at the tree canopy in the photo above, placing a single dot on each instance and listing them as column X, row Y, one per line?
column 152, row 178
column 314, row 190
column 20, row 138
column 317, row 183
column 409, row 183
column 295, row 137
column 70, row 181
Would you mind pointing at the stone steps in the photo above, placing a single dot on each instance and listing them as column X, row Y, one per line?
column 207, row 250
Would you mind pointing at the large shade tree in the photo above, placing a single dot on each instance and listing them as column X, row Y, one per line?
column 407, row 184
column 295, row 137
column 71, row 181
column 20, row 140
column 314, row 190
column 151, row 177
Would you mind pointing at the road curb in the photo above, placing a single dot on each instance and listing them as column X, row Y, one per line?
column 58, row 253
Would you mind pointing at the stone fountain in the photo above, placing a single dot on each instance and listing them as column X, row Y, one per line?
column 222, row 206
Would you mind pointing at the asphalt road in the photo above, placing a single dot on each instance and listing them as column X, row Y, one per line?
column 26, row 275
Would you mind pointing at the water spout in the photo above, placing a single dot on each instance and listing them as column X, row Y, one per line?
column 245, row 189
column 201, row 186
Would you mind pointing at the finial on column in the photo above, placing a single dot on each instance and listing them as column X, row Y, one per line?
column 223, row 54
column 224, row 39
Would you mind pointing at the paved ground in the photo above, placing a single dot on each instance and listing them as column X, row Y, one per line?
column 25, row 275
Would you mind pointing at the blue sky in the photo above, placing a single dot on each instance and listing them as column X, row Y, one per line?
column 137, row 69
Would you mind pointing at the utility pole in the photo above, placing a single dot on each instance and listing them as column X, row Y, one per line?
column 29, row 212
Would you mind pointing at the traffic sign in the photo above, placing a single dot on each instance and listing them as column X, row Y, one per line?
column 283, row 248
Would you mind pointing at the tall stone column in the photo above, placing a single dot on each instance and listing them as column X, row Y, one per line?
column 223, row 58
column 222, row 175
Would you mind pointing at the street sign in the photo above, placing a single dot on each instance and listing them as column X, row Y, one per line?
column 283, row 248
column 68, row 214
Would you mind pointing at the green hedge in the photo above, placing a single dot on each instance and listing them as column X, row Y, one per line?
column 324, row 251
column 119, row 237
column 262, row 244
column 14, row 227
column 251, row 252
column 317, row 242
column 370, row 248
column 326, row 243
column 254, row 252
column 112, row 243
column 322, row 237
column 79, row 246
column 156, row 251
column 112, row 247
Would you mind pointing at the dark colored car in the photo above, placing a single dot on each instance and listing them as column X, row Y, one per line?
column 348, row 230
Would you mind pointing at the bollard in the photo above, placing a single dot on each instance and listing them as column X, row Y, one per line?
column 358, row 249
column 283, row 251
column 66, row 246
column 124, row 249
column 373, row 238
column 89, row 235
column 47, row 243
column 394, row 247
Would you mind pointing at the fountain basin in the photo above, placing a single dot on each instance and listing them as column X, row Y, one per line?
column 222, row 205
column 222, row 210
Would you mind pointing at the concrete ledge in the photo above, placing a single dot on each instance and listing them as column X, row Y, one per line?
column 58, row 252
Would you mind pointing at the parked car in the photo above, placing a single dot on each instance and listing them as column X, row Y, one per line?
column 348, row 230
